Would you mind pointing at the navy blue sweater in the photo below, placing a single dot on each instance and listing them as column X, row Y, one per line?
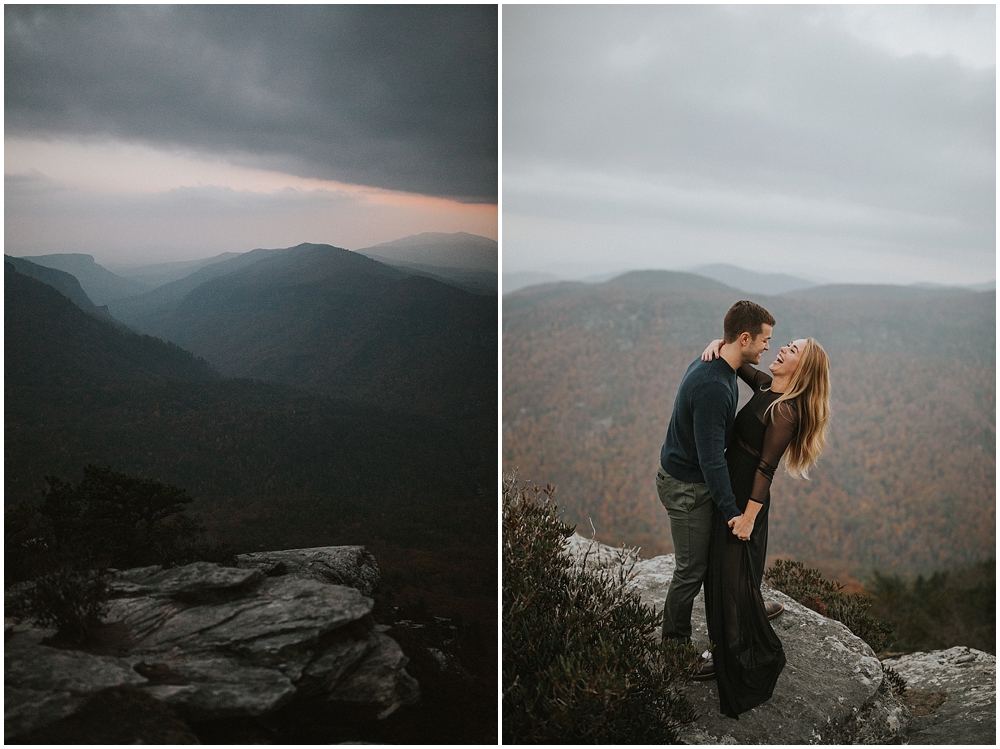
column 701, row 427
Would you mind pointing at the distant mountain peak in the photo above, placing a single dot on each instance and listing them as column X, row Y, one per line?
column 667, row 280
column 63, row 282
column 750, row 281
column 441, row 238
column 100, row 284
column 317, row 246
column 80, row 257
column 455, row 250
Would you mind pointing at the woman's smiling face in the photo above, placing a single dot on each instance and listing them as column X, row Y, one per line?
column 788, row 357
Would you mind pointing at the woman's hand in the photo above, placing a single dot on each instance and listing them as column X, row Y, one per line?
column 742, row 526
column 712, row 352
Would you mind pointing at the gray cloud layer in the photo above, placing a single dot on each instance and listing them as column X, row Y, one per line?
column 766, row 121
column 399, row 97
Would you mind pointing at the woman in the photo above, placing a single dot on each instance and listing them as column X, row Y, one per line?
column 786, row 416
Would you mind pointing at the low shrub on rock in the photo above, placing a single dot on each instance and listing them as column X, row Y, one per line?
column 896, row 682
column 582, row 661
column 72, row 602
column 809, row 588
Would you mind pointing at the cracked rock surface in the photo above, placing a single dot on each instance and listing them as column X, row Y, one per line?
column 832, row 689
column 217, row 642
column 339, row 565
column 964, row 681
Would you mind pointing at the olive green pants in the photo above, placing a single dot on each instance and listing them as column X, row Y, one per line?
column 690, row 509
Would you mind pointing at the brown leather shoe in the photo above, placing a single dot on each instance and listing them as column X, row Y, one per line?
column 706, row 670
column 773, row 608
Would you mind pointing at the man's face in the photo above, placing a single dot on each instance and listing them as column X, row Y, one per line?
column 757, row 346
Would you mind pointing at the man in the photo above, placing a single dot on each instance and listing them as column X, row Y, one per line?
column 693, row 472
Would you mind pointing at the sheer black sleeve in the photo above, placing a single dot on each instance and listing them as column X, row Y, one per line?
column 753, row 376
column 780, row 431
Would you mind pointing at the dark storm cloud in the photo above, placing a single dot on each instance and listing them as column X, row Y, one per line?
column 399, row 97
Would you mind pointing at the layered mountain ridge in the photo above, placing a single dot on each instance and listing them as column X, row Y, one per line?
column 335, row 399
column 101, row 285
column 334, row 322
column 65, row 283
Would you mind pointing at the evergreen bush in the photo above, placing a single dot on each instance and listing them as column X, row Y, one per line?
column 109, row 519
column 582, row 661
column 73, row 602
column 809, row 588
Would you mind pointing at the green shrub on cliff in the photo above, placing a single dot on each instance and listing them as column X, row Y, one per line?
column 72, row 602
column 582, row 662
column 807, row 587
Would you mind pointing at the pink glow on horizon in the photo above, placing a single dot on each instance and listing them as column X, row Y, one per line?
column 95, row 183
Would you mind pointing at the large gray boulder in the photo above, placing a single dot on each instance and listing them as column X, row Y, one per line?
column 215, row 642
column 832, row 689
column 43, row 684
column 952, row 695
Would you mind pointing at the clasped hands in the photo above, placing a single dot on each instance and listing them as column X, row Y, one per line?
column 742, row 526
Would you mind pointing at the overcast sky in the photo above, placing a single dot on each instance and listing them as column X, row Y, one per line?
column 837, row 143
column 153, row 133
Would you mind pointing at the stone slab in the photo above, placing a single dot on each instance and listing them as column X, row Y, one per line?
column 969, row 678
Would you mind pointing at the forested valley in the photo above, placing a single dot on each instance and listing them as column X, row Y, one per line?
column 906, row 485
column 401, row 458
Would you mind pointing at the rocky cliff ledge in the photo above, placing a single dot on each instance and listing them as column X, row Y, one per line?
column 833, row 688
column 952, row 696
column 208, row 643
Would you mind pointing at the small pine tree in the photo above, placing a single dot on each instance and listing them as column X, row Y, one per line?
column 109, row 519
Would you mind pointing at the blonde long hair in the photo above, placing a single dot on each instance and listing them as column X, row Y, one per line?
column 810, row 385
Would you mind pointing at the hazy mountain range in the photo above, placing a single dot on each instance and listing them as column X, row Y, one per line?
column 907, row 482
column 461, row 259
column 334, row 322
column 157, row 274
column 63, row 282
column 303, row 396
column 741, row 279
column 458, row 250
column 101, row 285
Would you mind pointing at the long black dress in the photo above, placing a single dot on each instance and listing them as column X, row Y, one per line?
column 747, row 653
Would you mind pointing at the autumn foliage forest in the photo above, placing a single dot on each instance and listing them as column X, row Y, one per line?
column 906, row 484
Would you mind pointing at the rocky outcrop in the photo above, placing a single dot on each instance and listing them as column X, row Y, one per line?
column 211, row 643
column 952, row 695
column 338, row 565
column 832, row 689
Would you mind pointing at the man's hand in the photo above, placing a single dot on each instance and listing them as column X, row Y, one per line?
column 742, row 526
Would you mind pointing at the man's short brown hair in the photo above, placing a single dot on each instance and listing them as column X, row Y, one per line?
column 745, row 317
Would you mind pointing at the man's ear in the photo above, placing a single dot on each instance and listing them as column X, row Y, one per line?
column 745, row 339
